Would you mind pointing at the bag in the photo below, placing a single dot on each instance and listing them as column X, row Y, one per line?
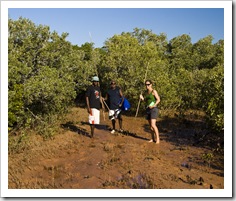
column 126, row 105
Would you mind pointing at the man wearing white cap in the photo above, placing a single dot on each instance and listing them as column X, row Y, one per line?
column 94, row 101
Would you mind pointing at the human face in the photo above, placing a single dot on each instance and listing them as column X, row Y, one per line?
column 113, row 84
column 95, row 83
column 148, row 84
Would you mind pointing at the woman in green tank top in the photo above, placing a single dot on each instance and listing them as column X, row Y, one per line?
column 152, row 99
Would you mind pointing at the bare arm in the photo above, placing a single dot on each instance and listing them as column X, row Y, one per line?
column 88, row 106
column 106, row 97
column 121, row 95
column 157, row 98
column 101, row 100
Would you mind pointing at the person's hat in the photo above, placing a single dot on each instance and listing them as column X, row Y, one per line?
column 95, row 78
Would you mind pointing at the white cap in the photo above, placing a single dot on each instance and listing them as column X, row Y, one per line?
column 95, row 78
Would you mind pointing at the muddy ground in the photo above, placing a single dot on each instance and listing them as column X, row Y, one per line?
column 188, row 156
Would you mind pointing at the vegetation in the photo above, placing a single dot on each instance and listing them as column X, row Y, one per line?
column 46, row 72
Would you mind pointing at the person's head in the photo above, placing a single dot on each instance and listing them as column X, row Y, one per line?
column 95, row 80
column 148, row 84
column 113, row 84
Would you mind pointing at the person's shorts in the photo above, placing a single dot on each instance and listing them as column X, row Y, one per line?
column 152, row 113
column 94, row 118
column 114, row 114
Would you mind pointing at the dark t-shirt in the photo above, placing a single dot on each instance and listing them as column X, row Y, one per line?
column 114, row 98
column 94, row 93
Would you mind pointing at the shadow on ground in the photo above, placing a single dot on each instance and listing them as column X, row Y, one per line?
column 70, row 126
column 188, row 133
column 182, row 133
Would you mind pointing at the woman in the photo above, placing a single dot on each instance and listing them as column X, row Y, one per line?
column 152, row 99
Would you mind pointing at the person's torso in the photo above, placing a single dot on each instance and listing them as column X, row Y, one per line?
column 114, row 98
column 94, row 94
column 150, row 99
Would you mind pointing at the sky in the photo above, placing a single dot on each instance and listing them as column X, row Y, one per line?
column 99, row 24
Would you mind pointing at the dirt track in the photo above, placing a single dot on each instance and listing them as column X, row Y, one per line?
column 121, row 161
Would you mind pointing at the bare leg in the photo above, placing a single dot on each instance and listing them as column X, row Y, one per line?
column 156, row 132
column 92, row 126
column 120, row 123
column 152, row 130
column 113, row 124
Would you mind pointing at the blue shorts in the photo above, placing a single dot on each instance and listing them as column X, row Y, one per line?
column 152, row 113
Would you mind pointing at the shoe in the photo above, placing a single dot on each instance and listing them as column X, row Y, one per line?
column 150, row 140
column 113, row 131
column 121, row 130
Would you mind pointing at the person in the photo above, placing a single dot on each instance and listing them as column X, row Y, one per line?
column 115, row 99
column 94, row 102
column 152, row 99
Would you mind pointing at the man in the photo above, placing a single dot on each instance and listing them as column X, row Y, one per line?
column 94, row 101
column 115, row 100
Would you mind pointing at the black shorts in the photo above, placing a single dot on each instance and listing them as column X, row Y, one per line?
column 152, row 113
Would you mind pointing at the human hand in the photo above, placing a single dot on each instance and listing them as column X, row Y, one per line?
column 141, row 97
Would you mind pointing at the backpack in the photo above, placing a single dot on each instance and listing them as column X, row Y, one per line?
column 126, row 105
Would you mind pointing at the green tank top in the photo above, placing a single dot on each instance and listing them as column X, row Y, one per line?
column 150, row 99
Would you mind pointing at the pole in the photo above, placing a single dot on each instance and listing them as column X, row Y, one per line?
column 141, row 92
column 106, row 105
